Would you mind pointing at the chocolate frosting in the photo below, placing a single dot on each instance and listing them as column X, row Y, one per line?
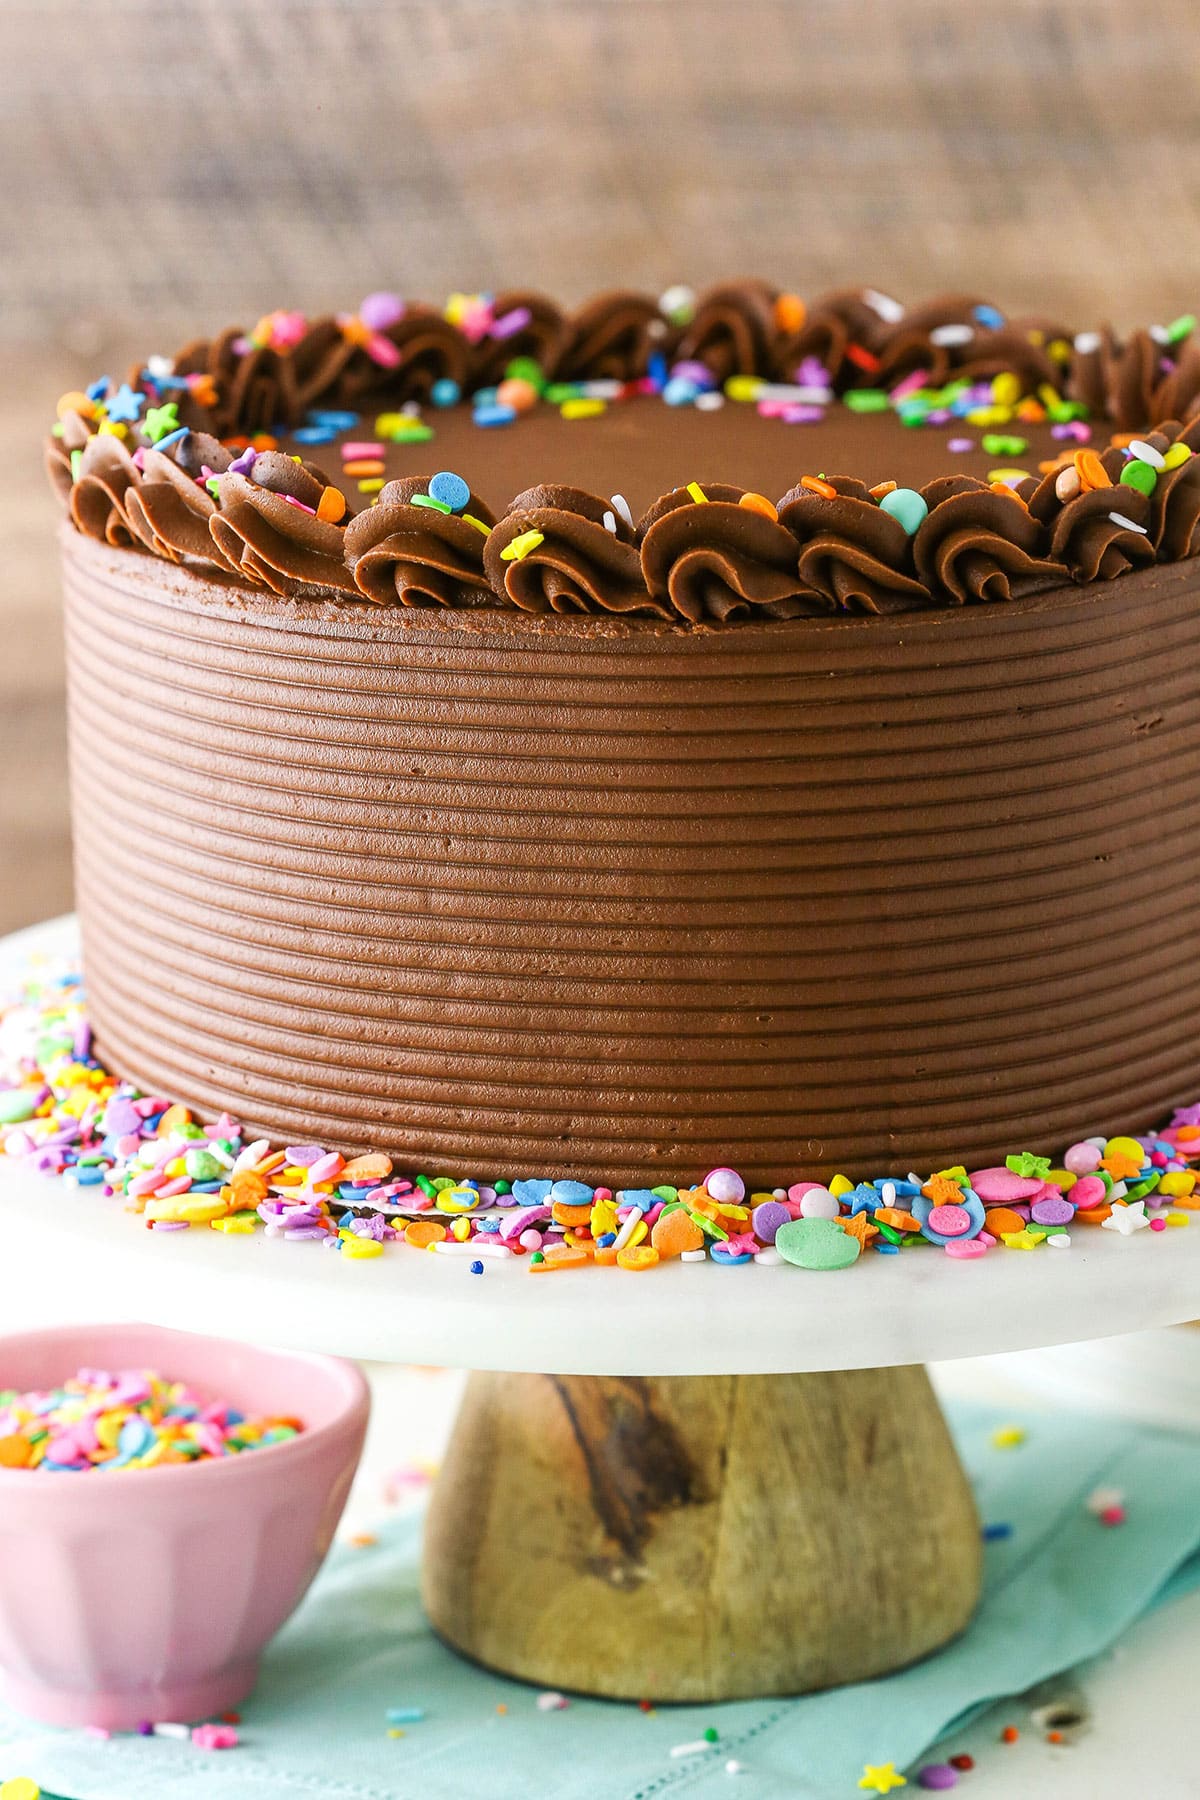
column 610, row 338
column 508, row 894
column 580, row 565
column 275, row 545
column 978, row 544
column 719, row 560
column 851, row 553
column 540, row 339
column 733, row 331
column 417, row 555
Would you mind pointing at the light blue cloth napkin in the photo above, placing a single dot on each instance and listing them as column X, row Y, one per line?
column 1057, row 1591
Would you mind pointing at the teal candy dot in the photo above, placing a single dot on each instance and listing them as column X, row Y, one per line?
column 450, row 489
column 905, row 506
column 445, row 392
column 1139, row 475
column 17, row 1105
column 816, row 1244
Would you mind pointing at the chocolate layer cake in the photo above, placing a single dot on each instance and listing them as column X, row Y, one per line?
column 726, row 732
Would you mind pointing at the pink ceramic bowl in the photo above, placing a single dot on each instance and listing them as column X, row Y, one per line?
column 151, row 1593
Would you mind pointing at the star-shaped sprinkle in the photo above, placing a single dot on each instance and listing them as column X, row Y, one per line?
column 160, row 420
column 1020, row 1240
column 126, row 405
column 1027, row 1164
column 1127, row 1219
column 881, row 1778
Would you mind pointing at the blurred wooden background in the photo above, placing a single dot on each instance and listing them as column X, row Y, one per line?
column 174, row 165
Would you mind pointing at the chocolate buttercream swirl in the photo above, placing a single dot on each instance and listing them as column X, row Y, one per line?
column 718, row 560
column 853, row 554
column 1179, row 393
column 835, row 323
column 977, row 544
column 275, row 544
column 418, row 555
column 97, row 499
column 733, row 331
column 1124, row 382
column 540, row 339
column 611, row 338
column 255, row 386
column 579, row 564
column 170, row 511
column 1093, row 544
column 333, row 364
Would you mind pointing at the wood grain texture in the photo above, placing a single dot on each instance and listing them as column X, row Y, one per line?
column 699, row 1540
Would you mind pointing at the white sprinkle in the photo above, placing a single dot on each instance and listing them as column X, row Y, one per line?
column 1128, row 525
column 946, row 336
column 1160, row 334
column 1059, row 1240
column 888, row 309
column 693, row 1256
column 168, row 1729
column 621, row 505
column 693, row 1749
column 552, row 1702
column 678, row 299
column 799, row 396
column 779, row 1193
column 768, row 1256
column 602, row 390
column 1146, row 453
column 470, row 1247
column 733, row 1766
column 1119, row 1189
column 628, row 1228
column 411, row 409
column 1087, row 342
column 1101, row 1498
column 610, row 523
column 888, row 1190
column 161, row 367
column 709, row 402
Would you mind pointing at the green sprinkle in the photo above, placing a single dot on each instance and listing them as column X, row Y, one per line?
column 525, row 368
column 1139, row 475
column 866, row 400
column 76, row 460
column 428, row 500
column 996, row 443
column 558, row 391
column 1181, row 327
column 213, row 484
column 1025, row 1163
column 503, row 1187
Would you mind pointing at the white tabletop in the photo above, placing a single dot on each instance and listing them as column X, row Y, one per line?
column 98, row 1260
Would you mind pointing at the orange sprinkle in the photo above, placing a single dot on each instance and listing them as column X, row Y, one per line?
column 817, row 486
column 1091, row 470
column 76, row 403
column 1002, row 487
column 897, row 1218
column 262, row 440
column 881, row 488
column 15, row 1452
column 355, row 332
column 367, row 465
column 759, row 503
column 1010, row 1734
column 331, row 506
column 789, row 312
column 204, row 391
column 420, row 1233
column 563, row 1212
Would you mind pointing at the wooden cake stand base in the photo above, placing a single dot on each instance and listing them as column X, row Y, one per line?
column 700, row 1539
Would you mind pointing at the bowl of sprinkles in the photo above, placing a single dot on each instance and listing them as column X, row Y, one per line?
column 165, row 1501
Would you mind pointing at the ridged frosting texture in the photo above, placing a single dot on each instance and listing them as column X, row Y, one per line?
column 500, row 892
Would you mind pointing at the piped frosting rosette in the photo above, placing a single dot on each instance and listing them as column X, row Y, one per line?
column 712, row 552
column 420, row 554
column 852, row 554
column 979, row 544
column 561, row 550
column 270, row 529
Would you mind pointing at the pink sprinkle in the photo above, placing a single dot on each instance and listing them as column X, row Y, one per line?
column 326, row 1167
column 910, row 384
column 299, row 505
column 1158, row 1224
column 214, row 1737
column 180, row 1185
column 148, row 1183
column 382, row 351
column 353, row 452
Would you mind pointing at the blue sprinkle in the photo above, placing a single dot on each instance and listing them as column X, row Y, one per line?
column 346, row 1220
column 88, row 1177
column 996, row 1534
column 656, row 369
column 314, row 434
column 643, row 1197
column 494, row 415
column 405, row 1715
column 679, row 391
column 97, row 389
column 987, row 315
column 477, row 1268
column 445, row 392
column 606, row 1238
column 173, row 437
column 534, row 1192
column 336, row 421
column 887, row 1249
column 450, row 489
column 571, row 1193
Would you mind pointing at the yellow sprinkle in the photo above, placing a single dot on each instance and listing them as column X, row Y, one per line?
column 361, row 1247
column 582, row 408
column 521, row 546
column 1008, row 476
column 372, row 486
column 697, row 492
column 1007, row 1437
column 744, row 387
column 1006, row 389
column 113, row 428
column 470, row 519
column 1178, row 1218
column 840, row 1185
column 394, row 1731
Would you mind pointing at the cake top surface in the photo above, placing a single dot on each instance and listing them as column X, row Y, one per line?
column 695, row 460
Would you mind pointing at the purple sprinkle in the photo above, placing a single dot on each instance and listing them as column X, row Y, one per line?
column 378, row 311
column 812, row 373
column 801, row 415
column 960, row 446
column 302, row 1156
column 243, row 464
column 698, row 373
column 937, row 1777
column 511, row 322
column 169, row 1225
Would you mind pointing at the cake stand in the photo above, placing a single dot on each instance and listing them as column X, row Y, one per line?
column 700, row 1484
